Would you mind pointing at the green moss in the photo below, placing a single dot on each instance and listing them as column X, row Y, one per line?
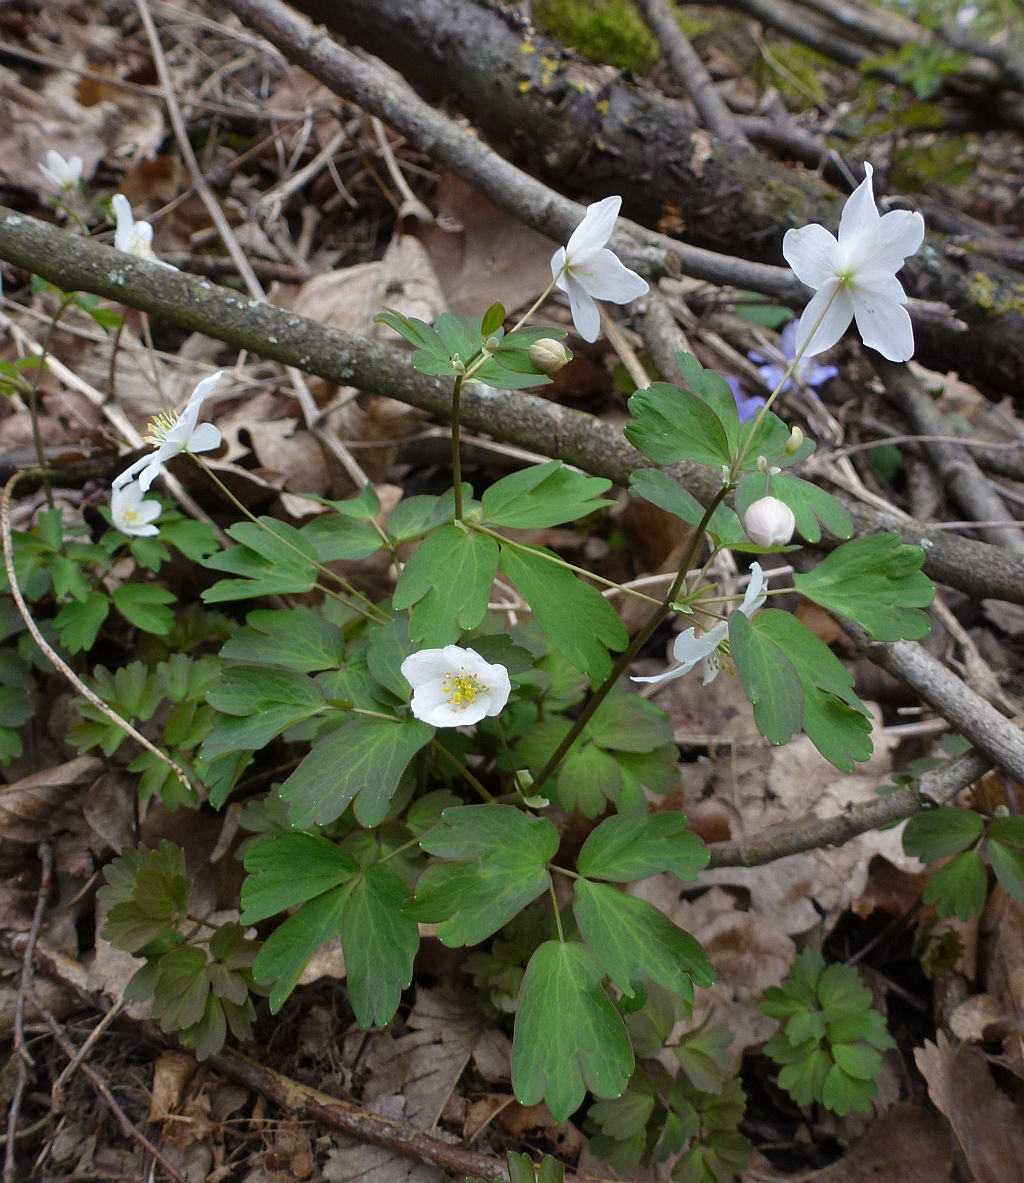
column 603, row 30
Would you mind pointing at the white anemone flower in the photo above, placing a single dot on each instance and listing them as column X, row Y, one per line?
column 132, row 237
column 173, row 435
column 587, row 271
column 61, row 175
column 130, row 514
column 455, row 687
column 854, row 277
column 689, row 649
column 769, row 522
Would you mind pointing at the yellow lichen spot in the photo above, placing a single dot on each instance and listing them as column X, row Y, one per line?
column 603, row 106
column 525, row 85
column 526, row 49
column 982, row 290
column 549, row 63
column 582, row 87
column 996, row 299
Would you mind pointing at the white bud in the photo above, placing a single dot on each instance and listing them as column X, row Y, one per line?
column 796, row 438
column 457, row 364
column 548, row 355
column 769, row 522
column 762, row 464
column 491, row 344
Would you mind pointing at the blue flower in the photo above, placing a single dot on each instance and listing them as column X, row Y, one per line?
column 807, row 372
column 747, row 407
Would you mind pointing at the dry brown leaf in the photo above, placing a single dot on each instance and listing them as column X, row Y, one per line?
column 171, row 1072
column 425, row 1065
column 492, row 1056
column 748, row 952
column 981, row 1019
column 108, row 809
column 905, row 1145
column 30, row 809
column 358, row 1162
column 986, row 1123
column 296, row 455
column 56, row 998
column 481, row 253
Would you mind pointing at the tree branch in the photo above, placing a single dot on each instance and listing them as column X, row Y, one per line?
column 530, row 422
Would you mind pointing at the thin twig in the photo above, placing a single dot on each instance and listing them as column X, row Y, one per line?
column 100, row 1085
column 25, row 1060
column 53, row 655
column 57, row 1091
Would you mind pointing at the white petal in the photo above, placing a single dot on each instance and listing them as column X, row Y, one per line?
column 123, row 478
column 430, row 703
column 892, row 239
column 558, row 268
column 883, row 322
column 152, row 470
column 585, row 315
column 204, row 389
column 667, row 676
column 712, row 667
column 860, row 216
column 689, row 648
column 205, row 438
column 124, row 238
column 754, row 598
column 606, row 278
column 594, row 231
column 428, row 665
column 812, row 253
column 144, row 237
column 834, row 322
column 498, row 689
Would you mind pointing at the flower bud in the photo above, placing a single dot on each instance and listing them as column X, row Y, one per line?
column 548, row 355
column 796, row 438
column 491, row 344
column 769, row 522
column 457, row 364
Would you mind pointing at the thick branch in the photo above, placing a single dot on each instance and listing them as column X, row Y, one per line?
column 959, row 471
column 936, row 788
column 536, row 424
column 690, row 71
column 597, row 132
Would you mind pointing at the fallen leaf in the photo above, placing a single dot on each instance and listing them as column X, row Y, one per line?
column 985, row 1122
column 108, row 809
column 30, row 809
column 358, row 1162
column 981, row 1019
column 171, row 1072
column 905, row 1145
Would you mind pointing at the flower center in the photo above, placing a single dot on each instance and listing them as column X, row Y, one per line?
column 462, row 689
column 159, row 426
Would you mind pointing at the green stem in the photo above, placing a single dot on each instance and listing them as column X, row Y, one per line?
column 463, row 770
column 558, row 914
column 626, row 658
column 456, row 455
column 508, row 755
column 560, row 562
column 399, row 850
column 374, row 612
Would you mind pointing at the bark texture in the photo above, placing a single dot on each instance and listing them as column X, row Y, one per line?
column 596, row 131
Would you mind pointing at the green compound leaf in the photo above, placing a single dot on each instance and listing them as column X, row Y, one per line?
column 940, row 833
column 262, row 703
column 628, row 723
column 1008, row 865
column 144, row 604
column 960, row 887
column 770, row 442
column 631, row 939
column 362, row 762
column 625, row 849
column 578, row 621
column 80, row 622
column 835, row 719
column 289, row 947
column 770, row 679
column 661, row 490
column 337, row 536
column 812, row 507
column 267, row 559
column 379, row 942
column 544, row 495
column 493, row 319
column 568, row 1036
column 447, row 583
column 588, row 779
column 876, row 582
column 671, row 424
column 179, row 998
column 294, row 640
column 289, row 870
column 389, row 647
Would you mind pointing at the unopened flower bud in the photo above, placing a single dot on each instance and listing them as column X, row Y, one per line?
column 762, row 464
column 769, row 522
column 548, row 355
column 458, row 365
column 796, row 438
column 491, row 344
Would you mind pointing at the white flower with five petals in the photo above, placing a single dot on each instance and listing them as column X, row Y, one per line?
column 689, row 649
column 587, row 271
column 132, row 237
column 854, row 277
column 61, row 175
column 174, row 435
column 130, row 514
column 455, row 687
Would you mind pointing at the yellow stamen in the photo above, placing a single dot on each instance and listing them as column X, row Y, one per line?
column 159, row 426
column 462, row 689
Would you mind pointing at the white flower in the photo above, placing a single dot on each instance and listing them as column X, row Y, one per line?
column 454, row 687
column 855, row 277
column 689, row 649
column 586, row 271
column 134, row 238
column 62, row 175
column 548, row 355
column 130, row 514
column 172, row 436
column 769, row 522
